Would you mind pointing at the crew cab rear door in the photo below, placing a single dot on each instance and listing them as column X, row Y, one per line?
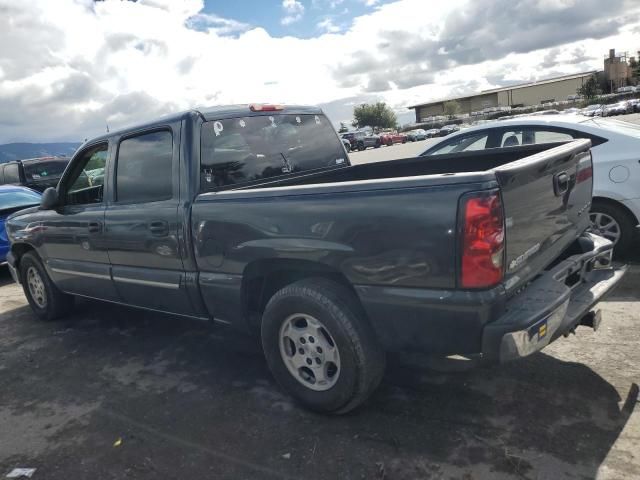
column 546, row 200
column 142, row 221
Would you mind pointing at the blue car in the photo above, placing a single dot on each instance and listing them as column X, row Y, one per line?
column 12, row 199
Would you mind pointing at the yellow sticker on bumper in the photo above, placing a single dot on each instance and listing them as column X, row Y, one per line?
column 542, row 330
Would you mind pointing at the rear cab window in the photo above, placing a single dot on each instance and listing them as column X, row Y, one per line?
column 248, row 149
column 37, row 170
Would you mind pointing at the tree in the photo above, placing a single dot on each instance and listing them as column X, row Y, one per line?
column 589, row 89
column 451, row 109
column 343, row 128
column 377, row 115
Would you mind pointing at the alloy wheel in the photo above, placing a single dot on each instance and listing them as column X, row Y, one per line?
column 605, row 225
column 309, row 352
column 36, row 287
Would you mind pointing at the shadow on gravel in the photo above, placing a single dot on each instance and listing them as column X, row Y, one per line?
column 191, row 401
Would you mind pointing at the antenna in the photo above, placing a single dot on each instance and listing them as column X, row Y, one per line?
column 107, row 128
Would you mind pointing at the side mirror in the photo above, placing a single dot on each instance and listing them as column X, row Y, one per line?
column 49, row 199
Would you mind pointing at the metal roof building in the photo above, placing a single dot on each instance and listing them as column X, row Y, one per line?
column 525, row 94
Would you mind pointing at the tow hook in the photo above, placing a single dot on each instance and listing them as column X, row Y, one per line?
column 592, row 319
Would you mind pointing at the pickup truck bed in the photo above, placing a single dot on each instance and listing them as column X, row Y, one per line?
column 262, row 224
column 389, row 229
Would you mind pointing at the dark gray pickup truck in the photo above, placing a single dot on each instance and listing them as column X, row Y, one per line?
column 252, row 216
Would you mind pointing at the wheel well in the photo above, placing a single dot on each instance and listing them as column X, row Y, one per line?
column 263, row 278
column 616, row 204
column 19, row 250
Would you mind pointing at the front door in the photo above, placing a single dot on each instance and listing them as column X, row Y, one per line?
column 142, row 223
column 76, row 257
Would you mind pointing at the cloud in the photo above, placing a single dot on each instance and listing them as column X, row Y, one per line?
column 294, row 10
column 69, row 67
column 328, row 26
column 207, row 22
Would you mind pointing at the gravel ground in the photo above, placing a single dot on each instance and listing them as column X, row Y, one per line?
column 115, row 393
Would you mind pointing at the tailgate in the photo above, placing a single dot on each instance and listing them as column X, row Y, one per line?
column 546, row 200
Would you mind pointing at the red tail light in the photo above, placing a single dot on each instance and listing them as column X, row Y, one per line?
column 584, row 173
column 256, row 107
column 482, row 241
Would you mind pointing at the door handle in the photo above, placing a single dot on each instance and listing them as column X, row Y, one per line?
column 560, row 183
column 159, row 227
column 94, row 227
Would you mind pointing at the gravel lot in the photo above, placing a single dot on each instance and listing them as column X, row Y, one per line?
column 114, row 393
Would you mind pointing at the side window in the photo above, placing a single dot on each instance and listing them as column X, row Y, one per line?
column 81, row 190
column 550, row 136
column 515, row 138
column 144, row 168
column 530, row 136
column 11, row 173
column 463, row 143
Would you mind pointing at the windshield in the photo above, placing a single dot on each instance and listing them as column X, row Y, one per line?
column 42, row 169
column 240, row 150
column 18, row 198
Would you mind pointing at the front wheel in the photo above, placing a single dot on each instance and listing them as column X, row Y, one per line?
column 613, row 223
column 319, row 347
column 45, row 299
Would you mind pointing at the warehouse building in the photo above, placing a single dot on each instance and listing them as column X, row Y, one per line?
column 527, row 94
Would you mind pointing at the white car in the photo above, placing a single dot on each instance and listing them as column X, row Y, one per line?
column 615, row 212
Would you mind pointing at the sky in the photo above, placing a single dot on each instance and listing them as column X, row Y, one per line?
column 69, row 68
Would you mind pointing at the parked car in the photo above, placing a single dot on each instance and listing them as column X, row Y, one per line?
column 363, row 139
column 390, row 138
column 12, row 199
column 615, row 211
column 35, row 173
column 627, row 89
column 620, row 108
column 416, row 135
column 591, row 110
column 635, row 104
column 270, row 230
column 433, row 132
column 448, row 129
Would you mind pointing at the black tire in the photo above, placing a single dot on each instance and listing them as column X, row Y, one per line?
column 378, row 144
column 361, row 147
column 390, row 143
column 362, row 359
column 347, row 148
column 623, row 219
column 57, row 304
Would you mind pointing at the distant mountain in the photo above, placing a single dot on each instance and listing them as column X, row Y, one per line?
column 18, row 151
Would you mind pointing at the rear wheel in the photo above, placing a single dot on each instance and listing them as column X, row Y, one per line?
column 612, row 223
column 361, row 146
column 45, row 299
column 319, row 347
